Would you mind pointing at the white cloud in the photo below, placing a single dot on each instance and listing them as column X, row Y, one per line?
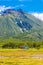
column 38, row 15
column 2, row 8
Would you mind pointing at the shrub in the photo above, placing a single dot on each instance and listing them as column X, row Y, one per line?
column 9, row 45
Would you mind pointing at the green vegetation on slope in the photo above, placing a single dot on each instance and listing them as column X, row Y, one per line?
column 18, row 23
column 17, row 43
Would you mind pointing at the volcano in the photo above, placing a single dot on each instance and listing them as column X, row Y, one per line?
column 20, row 24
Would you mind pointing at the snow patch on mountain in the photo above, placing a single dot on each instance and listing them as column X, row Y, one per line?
column 21, row 22
column 21, row 30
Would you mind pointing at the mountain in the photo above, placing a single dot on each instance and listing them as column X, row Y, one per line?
column 20, row 25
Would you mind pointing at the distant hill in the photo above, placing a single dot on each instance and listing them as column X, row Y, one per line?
column 20, row 25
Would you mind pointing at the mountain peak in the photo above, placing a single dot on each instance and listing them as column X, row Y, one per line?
column 7, row 11
column 11, row 10
column 20, row 10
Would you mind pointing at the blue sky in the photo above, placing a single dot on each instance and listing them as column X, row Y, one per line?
column 35, row 7
column 27, row 5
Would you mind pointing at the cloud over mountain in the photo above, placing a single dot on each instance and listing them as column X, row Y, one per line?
column 2, row 8
column 38, row 15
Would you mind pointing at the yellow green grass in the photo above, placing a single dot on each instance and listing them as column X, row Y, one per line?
column 21, row 57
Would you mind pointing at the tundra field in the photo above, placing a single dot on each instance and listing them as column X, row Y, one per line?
column 21, row 56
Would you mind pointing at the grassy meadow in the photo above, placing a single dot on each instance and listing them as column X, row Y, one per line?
column 21, row 56
column 19, row 52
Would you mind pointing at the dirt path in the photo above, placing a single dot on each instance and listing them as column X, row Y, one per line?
column 32, row 56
